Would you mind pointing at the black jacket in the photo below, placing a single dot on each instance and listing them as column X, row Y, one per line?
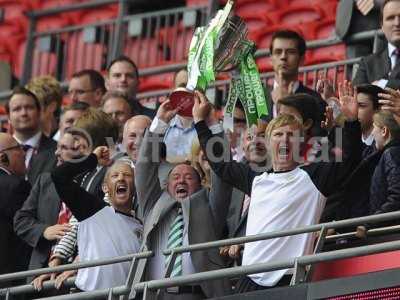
column 14, row 254
column 378, row 66
column 385, row 183
column 43, row 160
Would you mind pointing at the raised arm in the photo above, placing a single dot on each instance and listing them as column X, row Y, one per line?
column 329, row 176
column 217, row 152
column 81, row 203
column 147, row 183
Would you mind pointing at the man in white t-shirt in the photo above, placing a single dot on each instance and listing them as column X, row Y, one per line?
column 105, row 230
column 287, row 196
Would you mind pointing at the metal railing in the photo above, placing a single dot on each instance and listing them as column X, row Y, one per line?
column 298, row 263
column 150, row 39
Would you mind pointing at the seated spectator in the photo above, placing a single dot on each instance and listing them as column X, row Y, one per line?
column 14, row 255
column 48, row 91
column 196, row 214
column 277, row 202
column 383, row 68
column 116, row 105
column 23, row 111
column 69, row 115
column 87, row 86
column 99, row 222
column 43, row 219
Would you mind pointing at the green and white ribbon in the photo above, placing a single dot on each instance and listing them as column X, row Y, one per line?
column 248, row 89
column 201, row 51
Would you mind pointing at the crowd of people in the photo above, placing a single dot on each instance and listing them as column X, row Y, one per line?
column 107, row 176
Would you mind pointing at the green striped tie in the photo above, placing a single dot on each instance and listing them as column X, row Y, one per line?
column 175, row 239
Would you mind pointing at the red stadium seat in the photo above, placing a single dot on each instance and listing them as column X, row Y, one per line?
column 298, row 15
column 145, row 52
column 84, row 55
column 90, row 16
column 196, row 2
column 324, row 29
column 248, row 7
column 156, row 82
column 329, row 53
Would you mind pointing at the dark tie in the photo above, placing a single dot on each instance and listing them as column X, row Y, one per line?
column 396, row 70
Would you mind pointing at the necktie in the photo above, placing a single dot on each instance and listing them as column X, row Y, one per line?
column 175, row 239
column 365, row 6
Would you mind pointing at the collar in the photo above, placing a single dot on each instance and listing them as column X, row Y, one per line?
column 391, row 49
column 176, row 122
column 369, row 140
column 32, row 141
column 5, row 170
column 296, row 85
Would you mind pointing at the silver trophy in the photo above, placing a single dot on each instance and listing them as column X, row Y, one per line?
column 230, row 46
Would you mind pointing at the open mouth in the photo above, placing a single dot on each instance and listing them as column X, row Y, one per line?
column 283, row 151
column 121, row 189
column 181, row 192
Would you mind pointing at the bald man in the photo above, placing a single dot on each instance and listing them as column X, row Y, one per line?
column 133, row 134
column 14, row 190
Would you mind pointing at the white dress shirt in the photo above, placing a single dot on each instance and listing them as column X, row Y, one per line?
column 33, row 142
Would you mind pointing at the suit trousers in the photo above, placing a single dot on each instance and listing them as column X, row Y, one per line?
column 245, row 284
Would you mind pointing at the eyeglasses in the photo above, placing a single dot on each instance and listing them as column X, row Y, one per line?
column 20, row 147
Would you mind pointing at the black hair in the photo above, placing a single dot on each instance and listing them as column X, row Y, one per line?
column 20, row 90
column 290, row 35
column 124, row 58
column 373, row 91
column 96, row 79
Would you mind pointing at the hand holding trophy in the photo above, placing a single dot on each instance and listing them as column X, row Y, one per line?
column 222, row 46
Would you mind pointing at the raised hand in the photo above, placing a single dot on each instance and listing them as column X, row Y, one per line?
column 348, row 101
column 201, row 107
column 325, row 88
column 103, row 156
column 391, row 101
column 329, row 121
column 166, row 112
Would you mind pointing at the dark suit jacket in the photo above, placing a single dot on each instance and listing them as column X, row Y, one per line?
column 377, row 66
column 39, row 211
column 43, row 160
column 349, row 20
column 14, row 254
column 207, row 215
column 236, row 223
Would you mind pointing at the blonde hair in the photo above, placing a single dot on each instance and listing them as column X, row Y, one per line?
column 47, row 89
column 280, row 121
column 386, row 119
column 98, row 125
column 194, row 162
